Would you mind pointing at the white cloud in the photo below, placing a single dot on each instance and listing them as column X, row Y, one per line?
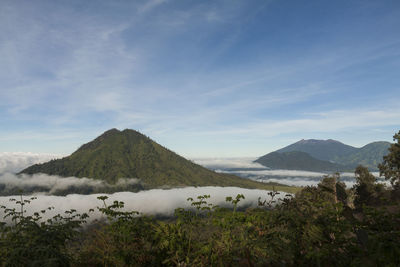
column 329, row 121
column 304, row 181
column 52, row 184
column 216, row 163
column 152, row 202
column 290, row 173
column 297, row 178
column 73, row 67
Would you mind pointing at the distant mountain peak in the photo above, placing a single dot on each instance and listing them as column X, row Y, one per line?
column 334, row 141
column 317, row 141
column 108, row 135
column 110, row 132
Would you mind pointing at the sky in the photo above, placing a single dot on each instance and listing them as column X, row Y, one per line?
column 203, row 78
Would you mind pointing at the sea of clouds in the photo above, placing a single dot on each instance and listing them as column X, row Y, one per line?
column 225, row 163
column 246, row 168
column 55, row 185
column 157, row 202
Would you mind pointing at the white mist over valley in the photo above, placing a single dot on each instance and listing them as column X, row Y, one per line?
column 247, row 168
column 157, row 202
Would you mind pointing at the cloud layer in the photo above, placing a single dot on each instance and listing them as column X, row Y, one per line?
column 152, row 202
column 56, row 185
column 295, row 178
column 217, row 163
column 245, row 168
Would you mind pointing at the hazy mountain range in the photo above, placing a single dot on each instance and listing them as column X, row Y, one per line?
column 129, row 154
column 325, row 155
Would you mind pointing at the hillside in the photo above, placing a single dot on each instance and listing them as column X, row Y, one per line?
column 369, row 155
column 129, row 154
column 296, row 160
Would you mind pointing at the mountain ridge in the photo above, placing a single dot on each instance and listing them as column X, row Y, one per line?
column 346, row 157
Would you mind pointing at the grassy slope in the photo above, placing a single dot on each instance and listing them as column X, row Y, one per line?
column 129, row 154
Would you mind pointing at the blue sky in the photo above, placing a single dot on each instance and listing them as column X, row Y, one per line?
column 203, row 78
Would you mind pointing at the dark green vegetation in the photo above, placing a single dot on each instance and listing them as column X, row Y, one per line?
column 296, row 160
column 390, row 167
column 129, row 154
column 326, row 225
column 329, row 154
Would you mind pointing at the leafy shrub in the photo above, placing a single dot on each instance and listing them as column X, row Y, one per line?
column 30, row 241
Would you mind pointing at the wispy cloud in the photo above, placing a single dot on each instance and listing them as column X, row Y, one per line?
column 149, row 5
column 205, row 68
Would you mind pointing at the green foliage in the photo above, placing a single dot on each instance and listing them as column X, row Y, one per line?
column 379, row 237
column 126, row 240
column 30, row 241
column 367, row 191
column 317, row 227
column 390, row 167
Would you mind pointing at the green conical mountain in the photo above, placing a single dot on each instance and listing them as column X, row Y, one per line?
column 129, row 154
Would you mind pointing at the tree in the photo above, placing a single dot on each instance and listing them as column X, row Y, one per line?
column 366, row 189
column 390, row 167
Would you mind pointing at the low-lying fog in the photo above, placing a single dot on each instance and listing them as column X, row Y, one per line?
column 158, row 202
column 246, row 168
